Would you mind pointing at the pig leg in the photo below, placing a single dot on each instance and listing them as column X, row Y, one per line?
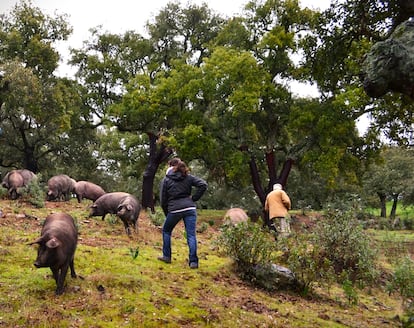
column 72, row 269
column 127, row 230
column 60, row 278
column 55, row 272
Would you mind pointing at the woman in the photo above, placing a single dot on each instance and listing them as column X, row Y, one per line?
column 178, row 202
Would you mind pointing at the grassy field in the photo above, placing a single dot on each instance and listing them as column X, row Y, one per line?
column 402, row 211
column 121, row 284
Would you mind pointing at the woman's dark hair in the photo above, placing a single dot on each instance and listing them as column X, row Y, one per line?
column 182, row 167
column 174, row 161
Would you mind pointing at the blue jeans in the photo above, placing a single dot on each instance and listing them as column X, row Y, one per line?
column 190, row 222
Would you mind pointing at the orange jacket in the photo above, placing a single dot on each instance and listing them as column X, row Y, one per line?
column 277, row 203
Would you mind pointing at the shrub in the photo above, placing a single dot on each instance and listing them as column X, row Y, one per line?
column 307, row 261
column 247, row 244
column 403, row 282
column 34, row 193
column 157, row 218
column 250, row 248
column 345, row 244
column 202, row 227
column 336, row 250
column 350, row 293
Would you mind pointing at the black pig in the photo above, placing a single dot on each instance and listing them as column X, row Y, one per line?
column 124, row 205
column 57, row 245
column 16, row 179
column 88, row 190
column 60, row 187
column 128, row 211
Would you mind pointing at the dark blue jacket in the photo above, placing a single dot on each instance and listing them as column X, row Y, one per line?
column 175, row 191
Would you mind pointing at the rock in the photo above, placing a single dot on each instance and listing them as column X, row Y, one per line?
column 278, row 276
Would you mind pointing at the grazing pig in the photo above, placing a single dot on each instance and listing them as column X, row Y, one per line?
column 128, row 212
column 88, row 190
column 16, row 179
column 60, row 187
column 27, row 175
column 124, row 205
column 57, row 245
column 235, row 215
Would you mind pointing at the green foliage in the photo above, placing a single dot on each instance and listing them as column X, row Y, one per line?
column 157, row 218
column 30, row 35
column 252, row 251
column 202, row 227
column 336, row 250
column 34, row 193
column 333, row 161
column 350, row 292
column 345, row 244
column 391, row 177
column 403, row 282
column 247, row 244
column 134, row 252
column 307, row 260
column 112, row 219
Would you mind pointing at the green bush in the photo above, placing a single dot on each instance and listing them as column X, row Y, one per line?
column 403, row 282
column 157, row 218
column 336, row 250
column 346, row 245
column 34, row 193
column 247, row 244
column 251, row 248
column 202, row 227
column 307, row 260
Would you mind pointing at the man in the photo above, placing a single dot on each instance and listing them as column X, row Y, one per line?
column 277, row 204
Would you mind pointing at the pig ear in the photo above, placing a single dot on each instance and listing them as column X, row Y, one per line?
column 53, row 243
column 129, row 207
column 37, row 241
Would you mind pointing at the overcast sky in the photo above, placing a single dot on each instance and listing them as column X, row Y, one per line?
column 122, row 15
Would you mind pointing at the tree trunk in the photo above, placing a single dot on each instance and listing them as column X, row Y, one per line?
column 383, row 204
column 394, row 206
column 271, row 167
column 254, row 172
column 284, row 174
column 156, row 157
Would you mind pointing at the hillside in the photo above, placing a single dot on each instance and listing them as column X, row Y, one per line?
column 121, row 283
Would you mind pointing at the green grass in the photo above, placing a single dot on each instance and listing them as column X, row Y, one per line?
column 114, row 289
column 404, row 212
